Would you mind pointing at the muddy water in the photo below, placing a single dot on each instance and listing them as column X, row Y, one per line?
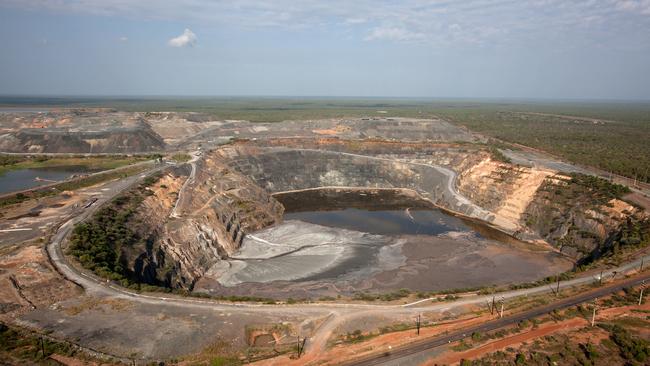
column 385, row 222
column 21, row 179
column 342, row 242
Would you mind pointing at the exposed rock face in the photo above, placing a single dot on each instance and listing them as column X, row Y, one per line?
column 575, row 218
column 501, row 188
column 279, row 170
column 221, row 206
column 147, row 260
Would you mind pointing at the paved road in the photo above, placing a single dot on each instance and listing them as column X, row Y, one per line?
column 426, row 345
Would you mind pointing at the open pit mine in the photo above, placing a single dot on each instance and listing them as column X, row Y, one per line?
column 303, row 210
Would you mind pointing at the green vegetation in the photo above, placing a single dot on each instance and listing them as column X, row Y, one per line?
column 87, row 163
column 631, row 348
column 22, row 347
column 633, row 234
column 626, row 344
column 497, row 155
column 601, row 190
column 181, row 158
column 614, row 140
column 396, row 295
column 98, row 243
column 357, row 337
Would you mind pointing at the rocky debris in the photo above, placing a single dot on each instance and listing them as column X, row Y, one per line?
column 97, row 131
column 121, row 140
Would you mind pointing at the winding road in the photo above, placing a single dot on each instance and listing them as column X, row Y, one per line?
column 337, row 313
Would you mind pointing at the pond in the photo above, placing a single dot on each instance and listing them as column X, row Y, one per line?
column 21, row 179
column 418, row 221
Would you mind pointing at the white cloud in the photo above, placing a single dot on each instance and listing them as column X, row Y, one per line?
column 393, row 34
column 637, row 6
column 355, row 20
column 432, row 21
column 124, row 39
column 188, row 38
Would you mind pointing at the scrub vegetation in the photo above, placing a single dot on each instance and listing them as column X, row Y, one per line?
column 98, row 243
column 20, row 347
column 87, row 163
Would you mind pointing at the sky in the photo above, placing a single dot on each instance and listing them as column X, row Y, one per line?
column 550, row 49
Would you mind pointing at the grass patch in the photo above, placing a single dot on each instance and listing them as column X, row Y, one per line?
column 88, row 163
column 71, row 185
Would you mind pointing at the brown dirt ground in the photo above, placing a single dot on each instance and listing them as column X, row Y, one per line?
column 595, row 334
column 38, row 281
column 349, row 351
column 451, row 357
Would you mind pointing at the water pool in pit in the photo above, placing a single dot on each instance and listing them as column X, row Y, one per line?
column 376, row 240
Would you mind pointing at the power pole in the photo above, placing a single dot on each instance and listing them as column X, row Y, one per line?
column 503, row 300
column 600, row 279
column 299, row 347
column 641, row 293
column 557, row 291
column 493, row 306
column 593, row 314
column 418, row 323
column 641, row 267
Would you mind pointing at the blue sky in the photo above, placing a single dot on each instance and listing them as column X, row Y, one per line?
column 436, row 48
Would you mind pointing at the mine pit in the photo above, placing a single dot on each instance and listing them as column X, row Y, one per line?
column 337, row 241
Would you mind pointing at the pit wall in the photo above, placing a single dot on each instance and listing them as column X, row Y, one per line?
column 221, row 206
column 279, row 170
column 456, row 156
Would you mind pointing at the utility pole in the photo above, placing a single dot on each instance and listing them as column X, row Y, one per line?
column 641, row 267
column 600, row 279
column 298, row 347
column 641, row 293
column 593, row 314
column 493, row 306
column 418, row 323
column 557, row 291
column 503, row 300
